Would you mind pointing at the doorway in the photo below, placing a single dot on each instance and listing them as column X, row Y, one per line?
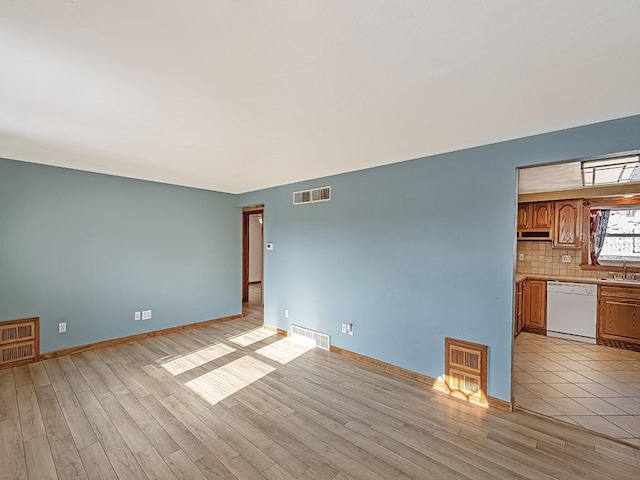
column 252, row 258
column 588, row 382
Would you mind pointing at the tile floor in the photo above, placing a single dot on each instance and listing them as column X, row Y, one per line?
column 594, row 386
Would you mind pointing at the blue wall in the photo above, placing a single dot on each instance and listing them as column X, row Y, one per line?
column 416, row 251
column 409, row 253
column 90, row 249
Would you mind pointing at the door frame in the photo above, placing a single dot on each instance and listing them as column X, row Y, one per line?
column 246, row 212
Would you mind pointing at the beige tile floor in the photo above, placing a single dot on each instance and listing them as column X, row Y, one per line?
column 594, row 386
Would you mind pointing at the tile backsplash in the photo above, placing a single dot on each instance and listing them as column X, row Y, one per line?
column 541, row 259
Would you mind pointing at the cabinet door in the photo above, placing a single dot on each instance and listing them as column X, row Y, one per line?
column 619, row 316
column 535, row 305
column 542, row 215
column 567, row 224
column 519, row 320
column 524, row 215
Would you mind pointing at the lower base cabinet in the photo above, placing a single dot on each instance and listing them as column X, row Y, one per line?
column 535, row 306
column 519, row 317
column 619, row 315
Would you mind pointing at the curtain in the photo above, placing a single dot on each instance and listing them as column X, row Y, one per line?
column 599, row 219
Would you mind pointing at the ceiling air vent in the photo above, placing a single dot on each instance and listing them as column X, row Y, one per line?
column 314, row 195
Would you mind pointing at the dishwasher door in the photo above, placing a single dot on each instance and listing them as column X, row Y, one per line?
column 572, row 310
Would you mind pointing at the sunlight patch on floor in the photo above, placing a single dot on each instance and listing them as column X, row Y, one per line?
column 285, row 350
column 228, row 379
column 252, row 336
column 440, row 385
column 195, row 359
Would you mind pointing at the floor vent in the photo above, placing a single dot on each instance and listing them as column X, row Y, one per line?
column 19, row 342
column 322, row 194
column 466, row 369
column 321, row 340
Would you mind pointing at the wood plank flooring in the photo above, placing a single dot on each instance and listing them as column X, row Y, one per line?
column 234, row 401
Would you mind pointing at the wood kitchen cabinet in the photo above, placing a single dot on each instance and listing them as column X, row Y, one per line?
column 542, row 215
column 567, row 224
column 525, row 216
column 535, row 221
column 534, row 308
column 619, row 316
column 519, row 315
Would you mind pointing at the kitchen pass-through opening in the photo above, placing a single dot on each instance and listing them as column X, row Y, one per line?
column 576, row 347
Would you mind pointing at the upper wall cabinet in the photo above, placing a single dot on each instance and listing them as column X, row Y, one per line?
column 535, row 221
column 568, row 221
column 542, row 215
column 524, row 215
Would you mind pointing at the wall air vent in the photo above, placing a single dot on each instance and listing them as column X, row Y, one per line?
column 466, row 369
column 19, row 342
column 303, row 196
column 314, row 195
column 321, row 340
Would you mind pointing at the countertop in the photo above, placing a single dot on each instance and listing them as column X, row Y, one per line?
column 598, row 281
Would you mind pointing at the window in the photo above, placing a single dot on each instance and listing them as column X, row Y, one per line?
column 622, row 237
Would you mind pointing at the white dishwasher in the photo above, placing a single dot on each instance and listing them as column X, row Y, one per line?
column 572, row 310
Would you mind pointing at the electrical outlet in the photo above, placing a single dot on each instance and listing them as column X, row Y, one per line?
column 62, row 327
column 566, row 258
column 136, row 316
column 350, row 328
column 286, row 313
column 521, row 257
column 344, row 328
column 146, row 315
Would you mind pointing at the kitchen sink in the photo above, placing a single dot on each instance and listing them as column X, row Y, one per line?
column 619, row 280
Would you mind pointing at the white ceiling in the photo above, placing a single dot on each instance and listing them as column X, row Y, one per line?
column 240, row 95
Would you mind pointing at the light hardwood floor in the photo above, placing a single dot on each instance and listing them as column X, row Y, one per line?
column 234, row 401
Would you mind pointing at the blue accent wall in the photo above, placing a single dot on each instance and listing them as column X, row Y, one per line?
column 91, row 249
column 409, row 253
column 413, row 252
